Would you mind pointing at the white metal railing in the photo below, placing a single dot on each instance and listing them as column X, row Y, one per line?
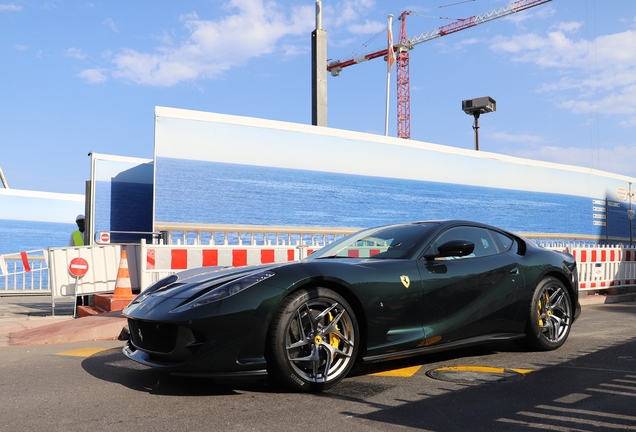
column 24, row 273
column 16, row 278
column 226, row 234
column 571, row 241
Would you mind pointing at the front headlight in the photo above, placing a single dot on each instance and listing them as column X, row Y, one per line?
column 225, row 290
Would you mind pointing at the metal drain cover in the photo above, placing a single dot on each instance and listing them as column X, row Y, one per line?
column 476, row 374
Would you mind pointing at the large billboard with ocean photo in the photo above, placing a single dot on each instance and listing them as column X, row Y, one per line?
column 215, row 168
column 34, row 220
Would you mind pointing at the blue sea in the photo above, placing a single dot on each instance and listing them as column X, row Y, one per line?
column 21, row 236
column 211, row 192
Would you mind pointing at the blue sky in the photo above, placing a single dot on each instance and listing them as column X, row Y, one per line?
column 83, row 76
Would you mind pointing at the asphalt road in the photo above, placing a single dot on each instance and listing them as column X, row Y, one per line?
column 587, row 385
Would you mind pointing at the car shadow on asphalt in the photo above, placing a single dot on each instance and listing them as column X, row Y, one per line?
column 424, row 359
column 113, row 366
column 594, row 391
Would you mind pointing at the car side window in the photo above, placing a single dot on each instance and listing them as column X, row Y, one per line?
column 482, row 238
column 505, row 242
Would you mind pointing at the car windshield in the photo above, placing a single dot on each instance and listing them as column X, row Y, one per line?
column 391, row 242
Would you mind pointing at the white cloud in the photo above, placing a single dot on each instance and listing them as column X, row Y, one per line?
column 519, row 138
column 569, row 27
column 542, row 13
column 249, row 29
column 10, row 7
column 347, row 12
column 20, row 47
column 553, row 50
column 214, row 47
column 368, row 27
column 596, row 76
column 93, row 76
column 75, row 53
column 110, row 23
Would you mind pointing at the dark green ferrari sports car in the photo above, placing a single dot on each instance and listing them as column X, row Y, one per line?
column 379, row 294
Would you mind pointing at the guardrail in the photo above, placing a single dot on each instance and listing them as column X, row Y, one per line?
column 24, row 273
column 228, row 234
column 224, row 244
column 571, row 241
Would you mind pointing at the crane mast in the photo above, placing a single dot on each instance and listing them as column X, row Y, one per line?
column 403, row 82
column 406, row 44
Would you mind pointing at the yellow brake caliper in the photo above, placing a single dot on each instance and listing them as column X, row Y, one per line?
column 540, row 306
column 334, row 340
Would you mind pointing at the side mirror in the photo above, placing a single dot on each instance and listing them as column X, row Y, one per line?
column 454, row 248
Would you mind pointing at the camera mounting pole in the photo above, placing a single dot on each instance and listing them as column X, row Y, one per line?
column 476, row 107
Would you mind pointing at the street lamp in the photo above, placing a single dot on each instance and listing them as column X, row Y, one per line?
column 476, row 107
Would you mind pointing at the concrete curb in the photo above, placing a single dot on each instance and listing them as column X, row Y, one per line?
column 606, row 299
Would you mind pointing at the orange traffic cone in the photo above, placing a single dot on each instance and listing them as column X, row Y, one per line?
column 122, row 284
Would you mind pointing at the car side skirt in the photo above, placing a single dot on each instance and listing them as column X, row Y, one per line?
column 477, row 340
column 236, row 374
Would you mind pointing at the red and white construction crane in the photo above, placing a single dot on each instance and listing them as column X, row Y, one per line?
column 406, row 44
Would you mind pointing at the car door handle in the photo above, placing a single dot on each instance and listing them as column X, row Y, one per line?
column 514, row 271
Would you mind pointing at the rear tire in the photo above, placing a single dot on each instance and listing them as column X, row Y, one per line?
column 550, row 317
column 313, row 340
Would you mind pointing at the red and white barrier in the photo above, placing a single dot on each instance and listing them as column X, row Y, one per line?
column 158, row 261
column 180, row 258
column 598, row 268
column 604, row 268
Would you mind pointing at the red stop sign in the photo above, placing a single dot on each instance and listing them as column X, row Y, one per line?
column 78, row 267
column 105, row 237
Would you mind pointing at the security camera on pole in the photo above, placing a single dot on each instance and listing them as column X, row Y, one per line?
column 475, row 107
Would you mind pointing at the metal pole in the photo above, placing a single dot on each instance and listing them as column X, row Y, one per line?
column 3, row 180
column 631, row 217
column 606, row 222
column 319, row 71
column 75, row 302
column 476, row 129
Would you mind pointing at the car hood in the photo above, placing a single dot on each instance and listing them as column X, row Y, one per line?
column 190, row 283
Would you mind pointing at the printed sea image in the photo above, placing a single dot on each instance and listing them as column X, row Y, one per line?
column 35, row 238
column 210, row 192
column 22, row 236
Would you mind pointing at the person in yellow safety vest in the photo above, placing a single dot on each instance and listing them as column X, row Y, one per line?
column 77, row 238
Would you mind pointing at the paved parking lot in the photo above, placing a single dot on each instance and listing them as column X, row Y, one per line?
column 587, row 385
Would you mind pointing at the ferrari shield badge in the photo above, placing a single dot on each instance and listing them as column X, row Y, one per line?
column 405, row 281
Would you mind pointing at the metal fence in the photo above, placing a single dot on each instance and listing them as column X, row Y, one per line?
column 24, row 273
column 28, row 272
column 252, row 235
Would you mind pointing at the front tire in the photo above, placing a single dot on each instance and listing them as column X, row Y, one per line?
column 313, row 340
column 550, row 317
